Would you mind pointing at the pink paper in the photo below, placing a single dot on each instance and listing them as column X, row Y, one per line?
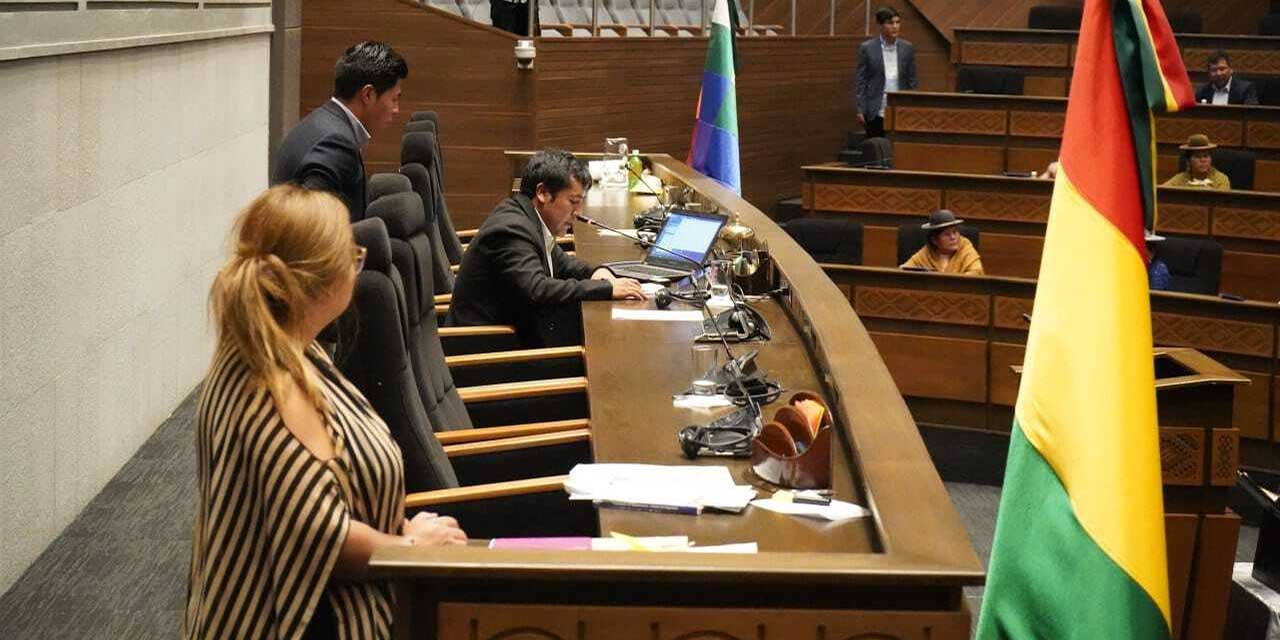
column 557, row 544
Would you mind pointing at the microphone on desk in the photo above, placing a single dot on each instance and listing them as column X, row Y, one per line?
column 701, row 304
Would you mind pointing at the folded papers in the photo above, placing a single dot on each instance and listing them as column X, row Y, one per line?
column 668, row 489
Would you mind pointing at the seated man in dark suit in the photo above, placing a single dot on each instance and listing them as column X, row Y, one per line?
column 323, row 150
column 513, row 272
column 1222, row 88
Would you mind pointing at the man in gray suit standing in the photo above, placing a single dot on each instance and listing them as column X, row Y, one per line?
column 886, row 63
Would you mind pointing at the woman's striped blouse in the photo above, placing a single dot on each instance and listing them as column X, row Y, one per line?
column 271, row 517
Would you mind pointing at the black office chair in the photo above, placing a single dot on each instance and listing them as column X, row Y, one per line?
column 377, row 363
column 1238, row 164
column 449, row 236
column 416, row 151
column 1269, row 25
column 1055, row 17
column 911, row 237
column 989, row 80
column 826, row 240
column 1195, row 264
column 381, row 184
column 1268, row 91
column 1185, row 22
column 561, row 395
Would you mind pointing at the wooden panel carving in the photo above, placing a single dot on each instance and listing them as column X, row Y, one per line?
column 931, row 367
column 921, row 304
column 1182, row 456
column 930, row 120
column 1212, row 334
column 1243, row 61
column 1022, row 54
column 1036, row 124
column 1264, row 135
column 483, row 621
column 1224, row 458
column 1246, row 223
column 988, row 205
column 1008, row 312
column 1053, row 87
column 951, row 158
column 1183, row 218
column 1177, row 130
column 843, row 197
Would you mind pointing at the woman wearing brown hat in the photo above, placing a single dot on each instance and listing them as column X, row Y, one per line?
column 946, row 251
column 1200, row 172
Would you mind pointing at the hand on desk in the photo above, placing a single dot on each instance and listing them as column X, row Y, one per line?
column 429, row 529
column 627, row 289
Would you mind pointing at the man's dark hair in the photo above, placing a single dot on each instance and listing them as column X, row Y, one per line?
column 885, row 14
column 1216, row 56
column 553, row 168
column 371, row 63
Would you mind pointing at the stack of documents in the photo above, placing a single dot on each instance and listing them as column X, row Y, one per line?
column 667, row 489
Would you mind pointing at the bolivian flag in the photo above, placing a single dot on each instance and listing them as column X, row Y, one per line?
column 714, row 148
column 1079, row 548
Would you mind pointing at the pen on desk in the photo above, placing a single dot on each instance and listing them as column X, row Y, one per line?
column 654, row 508
column 803, row 499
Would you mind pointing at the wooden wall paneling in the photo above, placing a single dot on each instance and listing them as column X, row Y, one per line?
column 880, row 246
column 1180, row 532
column 922, row 304
column 992, row 122
column 1008, row 312
column 946, row 368
column 475, row 621
column 1176, row 130
column 1275, row 408
column 918, row 156
column 1182, row 218
column 1048, row 86
column 1251, row 411
column 1207, row 605
column 1223, row 17
column 871, row 199
column 1029, row 159
column 1252, row 275
column 998, row 205
column 1213, row 334
column 1266, row 175
column 1012, row 255
column 1004, row 382
column 1246, row 223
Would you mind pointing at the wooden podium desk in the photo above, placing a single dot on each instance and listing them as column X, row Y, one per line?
column 1012, row 212
column 899, row 572
column 990, row 134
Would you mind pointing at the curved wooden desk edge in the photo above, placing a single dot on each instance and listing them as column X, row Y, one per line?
column 918, row 522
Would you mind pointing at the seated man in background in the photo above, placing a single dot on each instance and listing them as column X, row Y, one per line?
column 322, row 151
column 1200, row 172
column 1222, row 88
column 514, row 272
column 946, row 251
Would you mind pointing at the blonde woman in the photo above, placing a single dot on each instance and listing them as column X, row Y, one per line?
column 300, row 480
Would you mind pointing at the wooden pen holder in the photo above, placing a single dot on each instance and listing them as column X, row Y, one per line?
column 792, row 450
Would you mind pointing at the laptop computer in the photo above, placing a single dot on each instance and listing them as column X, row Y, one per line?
column 686, row 233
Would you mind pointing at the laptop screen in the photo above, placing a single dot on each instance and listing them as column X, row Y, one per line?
column 688, row 234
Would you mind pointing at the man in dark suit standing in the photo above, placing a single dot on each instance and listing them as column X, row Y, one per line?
column 323, row 150
column 1222, row 88
column 514, row 272
column 886, row 63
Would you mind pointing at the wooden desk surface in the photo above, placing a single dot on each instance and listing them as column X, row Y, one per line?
column 915, row 536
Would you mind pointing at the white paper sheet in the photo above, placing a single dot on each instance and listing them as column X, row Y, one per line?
column 837, row 510
column 684, row 315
